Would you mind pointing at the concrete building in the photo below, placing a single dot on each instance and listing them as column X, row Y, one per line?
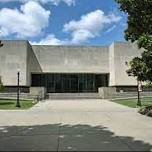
column 66, row 69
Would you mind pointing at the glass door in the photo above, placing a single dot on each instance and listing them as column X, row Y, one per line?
column 74, row 83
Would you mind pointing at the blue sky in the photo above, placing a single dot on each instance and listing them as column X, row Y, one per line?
column 62, row 22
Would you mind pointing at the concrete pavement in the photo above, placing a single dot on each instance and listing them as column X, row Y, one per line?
column 75, row 125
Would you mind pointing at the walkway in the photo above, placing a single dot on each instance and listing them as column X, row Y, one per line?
column 75, row 125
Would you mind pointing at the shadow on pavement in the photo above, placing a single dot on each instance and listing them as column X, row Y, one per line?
column 58, row 137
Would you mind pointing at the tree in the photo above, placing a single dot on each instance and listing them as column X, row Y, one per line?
column 138, row 69
column 139, row 30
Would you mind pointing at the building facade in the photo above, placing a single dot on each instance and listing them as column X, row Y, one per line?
column 66, row 69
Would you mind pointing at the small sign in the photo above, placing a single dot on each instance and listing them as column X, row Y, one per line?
column 140, row 86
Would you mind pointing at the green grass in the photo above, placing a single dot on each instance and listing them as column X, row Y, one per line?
column 7, row 104
column 147, row 101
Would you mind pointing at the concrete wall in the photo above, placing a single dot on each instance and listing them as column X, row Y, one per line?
column 32, row 64
column 38, row 91
column 17, row 55
column 66, row 59
column 111, row 65
column 12, row 57
column 106, row 92
column 73, row 59
column 120, row 53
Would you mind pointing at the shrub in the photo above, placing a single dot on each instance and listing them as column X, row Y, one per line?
column 146, row 111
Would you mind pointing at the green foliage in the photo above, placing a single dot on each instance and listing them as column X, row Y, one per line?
column 148, row 84
column 146, row 101
column 139, row 18
column 137, row 69
column 139, row 30
column 11, row 104
column 146, row 111
column 142, row 67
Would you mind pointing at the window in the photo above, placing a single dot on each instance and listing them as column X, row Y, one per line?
column 70, row 83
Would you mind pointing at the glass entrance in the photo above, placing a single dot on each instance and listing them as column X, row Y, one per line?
column 74, row 83
column 70, row 83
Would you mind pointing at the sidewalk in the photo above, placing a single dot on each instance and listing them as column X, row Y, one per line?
column 79, row 125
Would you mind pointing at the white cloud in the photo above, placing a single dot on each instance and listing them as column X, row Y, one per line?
column 29, row 21
column 111, row 29
column 80, row 36
column 3, row 32
column 89, row 25
column 49, row 40
column 54, row 2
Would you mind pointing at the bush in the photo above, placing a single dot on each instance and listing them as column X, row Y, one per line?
column 146, row 111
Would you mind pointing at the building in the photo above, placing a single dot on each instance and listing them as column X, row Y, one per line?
column 66, row 69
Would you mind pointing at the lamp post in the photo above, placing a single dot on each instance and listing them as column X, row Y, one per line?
column 18, row 89
column 139, row 89
column 1, row 44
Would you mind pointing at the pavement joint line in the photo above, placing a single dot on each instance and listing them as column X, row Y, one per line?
column 58, row 140
column 90, row 111
column 59, row 132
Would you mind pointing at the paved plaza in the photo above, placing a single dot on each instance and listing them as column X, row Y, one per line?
column 75, row 125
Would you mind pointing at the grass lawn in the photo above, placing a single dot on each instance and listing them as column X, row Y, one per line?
column 11, row 104
column 147, row 101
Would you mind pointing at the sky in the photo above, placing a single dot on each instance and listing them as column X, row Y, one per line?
column 62, row 22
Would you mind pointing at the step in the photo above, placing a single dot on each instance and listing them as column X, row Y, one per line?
column 14, row 96
column 73, row 96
